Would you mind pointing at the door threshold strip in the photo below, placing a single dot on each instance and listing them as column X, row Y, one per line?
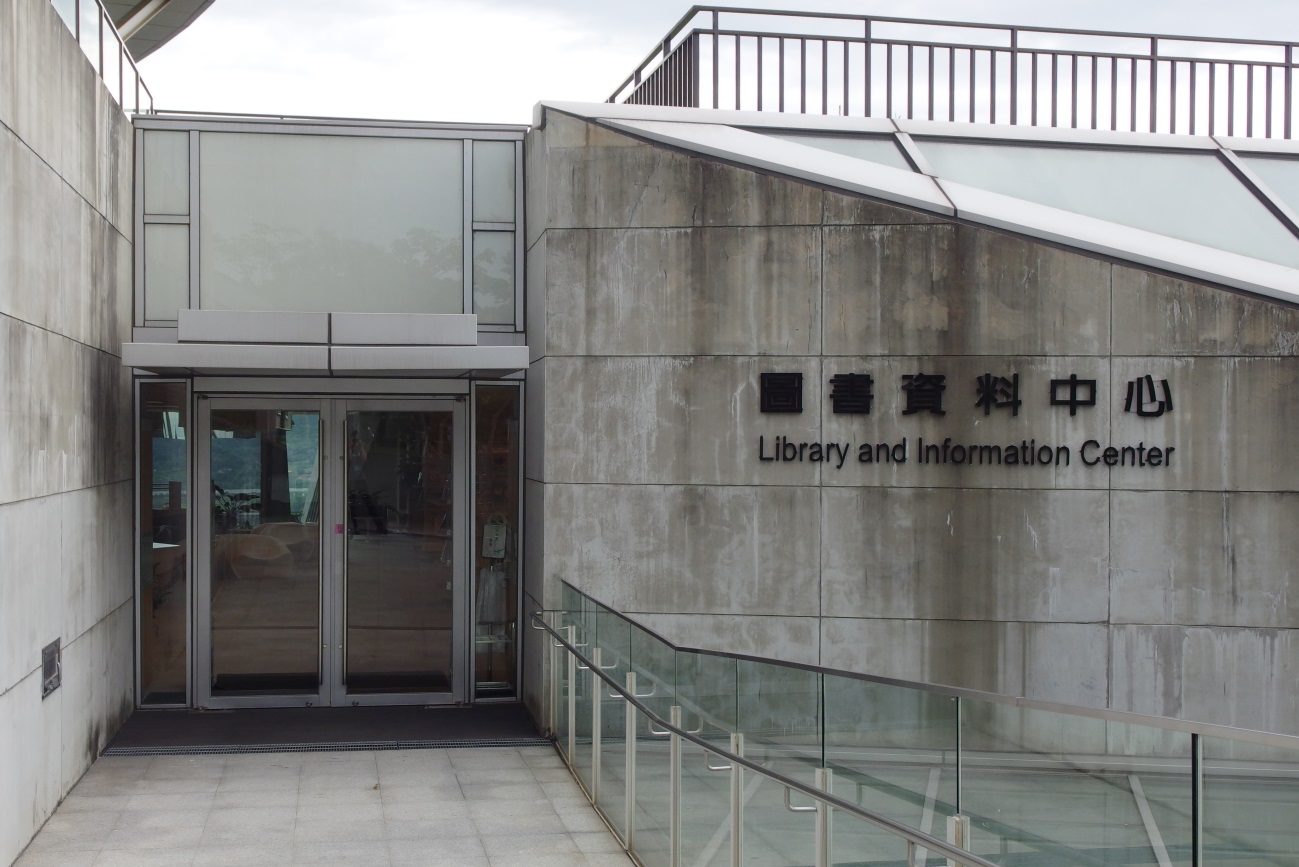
column 344, row 746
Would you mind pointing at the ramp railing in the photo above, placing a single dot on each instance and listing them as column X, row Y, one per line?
column 695, row 757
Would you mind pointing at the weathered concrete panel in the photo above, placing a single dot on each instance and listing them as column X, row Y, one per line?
column 961, row 554
column 1232, row 424
column 97, row 694
column 535, row 311
column 98, row 567
column 753, row 291
column 65, row 414
column 992, row 449
column 1049, row 661
column 1159, row 315
column 842, row 209
column 31, row 537
column 791, row 639
column 955, row 290
column 30, row 785
column 691, row 420
column 1235, row 677
column 534, row 542
column 688, row 549
column 597, row 178
column 1205, row 558
column 535, row 431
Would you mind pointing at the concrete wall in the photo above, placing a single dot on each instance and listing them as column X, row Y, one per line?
column 661, row 285
column 65, row 416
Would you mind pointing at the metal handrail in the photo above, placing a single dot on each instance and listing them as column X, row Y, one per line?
column 671, row 74
column 1191, row 727
column 913, row 836
column 118, row 88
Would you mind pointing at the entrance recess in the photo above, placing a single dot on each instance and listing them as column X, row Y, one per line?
column 332, row 572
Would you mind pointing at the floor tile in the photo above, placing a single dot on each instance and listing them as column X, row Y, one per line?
column 144, row 857
column 259, row 855
column 78, row 858
column 348, row 853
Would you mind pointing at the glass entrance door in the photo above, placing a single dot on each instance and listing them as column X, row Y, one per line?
column 399, row 598
column 331, row 571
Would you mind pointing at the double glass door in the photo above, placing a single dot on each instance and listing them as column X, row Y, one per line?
column 333, row 569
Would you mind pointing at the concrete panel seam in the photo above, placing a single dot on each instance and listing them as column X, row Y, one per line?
column 125, row 481
column 116, row 356
column 130, row 601
column 57, row 174
column 19, row 682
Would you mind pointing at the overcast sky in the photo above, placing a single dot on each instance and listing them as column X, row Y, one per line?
column 491, row 60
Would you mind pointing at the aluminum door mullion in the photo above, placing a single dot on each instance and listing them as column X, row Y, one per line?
column 202, row 621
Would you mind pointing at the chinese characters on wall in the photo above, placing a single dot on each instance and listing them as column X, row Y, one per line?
column 992, row 392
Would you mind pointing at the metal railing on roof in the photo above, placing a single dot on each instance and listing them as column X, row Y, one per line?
column 641, row 722
column 871, row 66
column 93, row 28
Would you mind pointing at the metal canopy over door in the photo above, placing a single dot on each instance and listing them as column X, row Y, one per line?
column 332, row 572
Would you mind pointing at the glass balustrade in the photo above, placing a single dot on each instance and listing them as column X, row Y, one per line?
column 705, row 758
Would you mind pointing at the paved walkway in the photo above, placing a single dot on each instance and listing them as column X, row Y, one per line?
column 492, row 807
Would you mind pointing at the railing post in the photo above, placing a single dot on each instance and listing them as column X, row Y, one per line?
column 597, row 693
column 824, row 782
column 737, row 802
column 554, row 674
column 572, row 696
column 674, row 788
column 629, row 769
column 1197, row 800
column 1154, row 84
column 1014, row 76
column 716, row 59
column 1289, row 88
column 958, row 834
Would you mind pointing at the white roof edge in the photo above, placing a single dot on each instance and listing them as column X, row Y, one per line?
column 765, row 119
column 1251, row 146
column 834, row 123
column 1055, row 135
column 1196, row 261
column 1139, row 247
column 797, row 161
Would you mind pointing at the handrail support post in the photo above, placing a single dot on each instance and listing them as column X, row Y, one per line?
column 629, row 770
column 597, row 693
column 824, row 782
column 737, row 802
column 572, row 696
column 674, row 793
column 958, row 834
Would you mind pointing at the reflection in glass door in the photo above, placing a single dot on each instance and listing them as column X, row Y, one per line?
column 329, row 571
column 400, row 559
column 264, row 590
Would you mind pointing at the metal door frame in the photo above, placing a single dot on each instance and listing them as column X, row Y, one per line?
column 338, row 539
column 333, row 516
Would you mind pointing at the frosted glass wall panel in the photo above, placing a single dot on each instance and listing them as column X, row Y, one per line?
column 166, row 270
column 1281, row 176
column 331, row 223
column 494, row 181
column 166, row 172
column 1189, row 196
column 876, row 150
column 494, row 277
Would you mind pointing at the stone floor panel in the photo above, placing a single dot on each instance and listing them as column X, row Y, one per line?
column 491, row 807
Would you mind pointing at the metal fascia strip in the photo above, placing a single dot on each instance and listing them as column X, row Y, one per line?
column 795, row 160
